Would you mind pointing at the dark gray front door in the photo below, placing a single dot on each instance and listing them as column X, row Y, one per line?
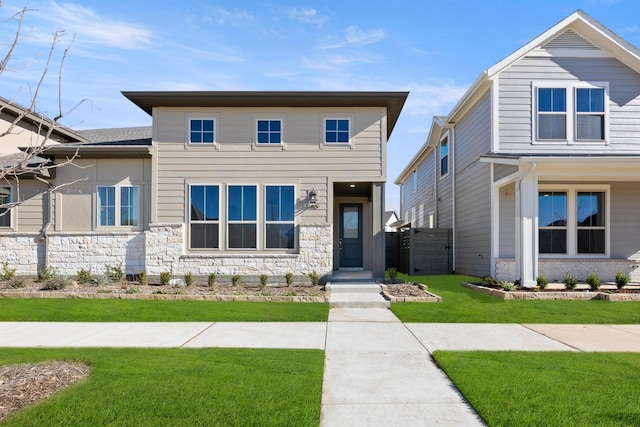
column 351, row 235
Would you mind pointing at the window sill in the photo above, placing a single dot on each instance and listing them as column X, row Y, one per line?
column 202, row 146
column 257, row 146
column 337, row 145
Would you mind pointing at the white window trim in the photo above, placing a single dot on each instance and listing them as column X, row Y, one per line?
column 448, row 156
column 221, row 222
column 264, row 218
column 323, row 137
column 216, row 130
column 256, row 145
column 572, row 191
column 10, row 213
column 257, row 221
column 571, row 113
column 118, row 206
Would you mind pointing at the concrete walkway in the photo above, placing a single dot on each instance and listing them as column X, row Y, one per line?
column 378, row 371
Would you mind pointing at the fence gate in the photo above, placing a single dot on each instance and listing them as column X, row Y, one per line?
column 426, row 251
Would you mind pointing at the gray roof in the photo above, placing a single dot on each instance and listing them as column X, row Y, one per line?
column 140, row 135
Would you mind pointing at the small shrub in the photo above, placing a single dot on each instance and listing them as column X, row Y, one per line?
column 131, row 290
column 178, row 291
column 46, row 274
column 570, row 281
column 212, row 279
column 142, row 277
column 161, row 292
column 104, row 291
column 16, row 283
column 488, row 281
column 264, row 293
column 542, row 282
column 621, row 279
column 508, row 286
column 56, row 283
column 84, row 276
column 314, row 277
column 289, row 278
column 114, row 272
column 263, row 281
column 291, row 294
column 188, row 279
column 593, row 281
column 7, row 273
column 235, row 279
column 392, row 272
column 165, row 276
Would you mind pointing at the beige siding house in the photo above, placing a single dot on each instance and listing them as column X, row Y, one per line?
column 227, row 182
column 536, row 168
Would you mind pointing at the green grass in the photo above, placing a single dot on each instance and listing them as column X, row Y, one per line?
column 548, row 389
column 189, row 387
column 96, row 310
column 462, row 305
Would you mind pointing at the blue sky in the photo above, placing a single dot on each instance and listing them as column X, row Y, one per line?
column 434, row 49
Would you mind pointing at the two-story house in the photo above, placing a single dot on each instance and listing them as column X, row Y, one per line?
column 229, row 182
column 536, row 170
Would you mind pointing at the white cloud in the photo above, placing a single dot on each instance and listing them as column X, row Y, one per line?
column 91, row 28
column 356, row 36
column 236, row 18
column 307, row 16
column 429, row 100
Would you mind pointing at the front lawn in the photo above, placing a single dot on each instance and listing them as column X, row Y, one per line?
column 113, row 310
column 188, row 387
column 548, row 389
column 462, row 305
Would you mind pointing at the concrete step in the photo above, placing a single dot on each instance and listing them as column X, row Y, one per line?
column 358, row 300
column 355, row 288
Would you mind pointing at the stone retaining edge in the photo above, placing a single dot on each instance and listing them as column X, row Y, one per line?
column 583, row 295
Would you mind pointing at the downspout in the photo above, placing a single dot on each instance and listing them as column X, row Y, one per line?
column 43, row 236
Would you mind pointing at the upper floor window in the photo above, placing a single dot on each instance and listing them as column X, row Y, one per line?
column 415, row 180
column 279, row 216
column 590, row 113
column 202, row 131
column 552, row 113
column 118, row 206
column 571, row 112
column 204, row 216
column 5, row 213
column 242, row 217
column 336, row 131
column 269, row 132
column 444, row 157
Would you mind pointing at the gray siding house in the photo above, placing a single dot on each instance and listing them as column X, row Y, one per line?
column 536, row 169
column 228, row 182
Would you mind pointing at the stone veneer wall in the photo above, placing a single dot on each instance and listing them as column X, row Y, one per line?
column 555, row 269
column 22, row 252
column 165, row 245
column 70, row 252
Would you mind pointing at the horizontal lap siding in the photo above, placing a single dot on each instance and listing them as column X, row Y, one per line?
column 473, row 190
column 417, row 204
column 303, row 161
column 516, row 101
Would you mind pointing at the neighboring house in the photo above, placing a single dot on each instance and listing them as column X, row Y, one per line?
column 229, row 182
column 536, row 169
column 390, row 219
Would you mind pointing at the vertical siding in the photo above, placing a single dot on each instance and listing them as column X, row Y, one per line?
column 303, row 160
column 625, row 220
column 516, row 101
column 473, row 190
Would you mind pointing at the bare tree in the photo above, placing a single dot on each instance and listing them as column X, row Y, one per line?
column 32, row 161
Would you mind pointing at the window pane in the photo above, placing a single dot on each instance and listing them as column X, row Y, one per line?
column 204, row 236
column 129, row 206
column 350, row 223
column 196, row 125
column 263, row 138
column 343, row 136
column 106, row 206
column 331, row 125
column 275, row 125
column 552, row 241
column 280, row 236
column 591, row 241
column 552, row 126
column 552, row 209
column 590, row 126
column 590, row 100
column 5, row 214
column 275, row 138
column 196, row 137
column 207, row 137
column 590, row 207
column 197, row 202
column 552, row 99
column 235, row 203
column 272, row 203
column 331, row 137
column 242, row 236
column 287, row 203
column 343, row 125
column 212, row 195
column 249, row 203
column 559, row 100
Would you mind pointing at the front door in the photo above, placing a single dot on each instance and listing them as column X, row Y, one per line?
column 351, row 235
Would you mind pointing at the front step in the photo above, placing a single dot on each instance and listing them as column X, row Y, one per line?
column 356, row 296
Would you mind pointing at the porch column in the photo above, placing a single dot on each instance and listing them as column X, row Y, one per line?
column 378, row 250
column 527, row 250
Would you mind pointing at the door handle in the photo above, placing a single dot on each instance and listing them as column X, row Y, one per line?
column 340, row 244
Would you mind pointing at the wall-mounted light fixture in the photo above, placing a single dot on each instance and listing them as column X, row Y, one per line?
column 312, row 196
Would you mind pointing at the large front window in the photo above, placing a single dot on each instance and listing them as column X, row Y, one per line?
column 242, row 217
column 279, row 216
column 205, row 216
column 572, row 221
column 118, row 206
column 5, row 213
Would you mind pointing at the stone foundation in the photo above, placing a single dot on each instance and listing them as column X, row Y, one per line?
column 22, row 251
column 555, row 269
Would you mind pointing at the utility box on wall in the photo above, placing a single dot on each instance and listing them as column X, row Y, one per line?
column 426, row 251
